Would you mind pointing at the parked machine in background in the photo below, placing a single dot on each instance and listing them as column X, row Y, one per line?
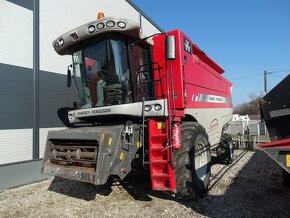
column 275, row 110
column 156, row 103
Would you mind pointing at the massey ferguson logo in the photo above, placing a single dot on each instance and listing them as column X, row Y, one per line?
column 187, row 45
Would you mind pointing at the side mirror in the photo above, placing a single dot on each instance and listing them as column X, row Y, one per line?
column 170, row 48
column 68, row 81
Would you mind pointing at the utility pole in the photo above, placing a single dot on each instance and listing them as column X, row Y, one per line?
column 266, row 73
column 265, row 81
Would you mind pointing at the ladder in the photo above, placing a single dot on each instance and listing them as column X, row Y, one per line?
column 160, row 156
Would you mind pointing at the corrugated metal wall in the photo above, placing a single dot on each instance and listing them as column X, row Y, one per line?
column 16, row 83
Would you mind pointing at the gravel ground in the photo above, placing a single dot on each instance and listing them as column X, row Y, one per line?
column 250, row 187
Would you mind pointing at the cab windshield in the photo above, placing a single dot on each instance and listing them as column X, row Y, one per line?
column 101, row 73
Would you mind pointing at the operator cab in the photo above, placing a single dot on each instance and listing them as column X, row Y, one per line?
column 105, row 68
column 106, row 61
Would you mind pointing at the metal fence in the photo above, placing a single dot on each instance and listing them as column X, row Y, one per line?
column 248, row 133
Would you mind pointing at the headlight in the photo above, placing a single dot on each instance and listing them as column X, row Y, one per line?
column 70, row 116
column 61, row 41
column 147, row 108
column 110, row 23
column 157, row 107
column 91, row 28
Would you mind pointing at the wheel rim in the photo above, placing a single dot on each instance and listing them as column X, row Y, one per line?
column 201, row 161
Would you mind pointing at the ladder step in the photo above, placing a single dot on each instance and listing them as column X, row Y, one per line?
column 160, row 175
column 159, row 135
column 159, row 161
column 161, row 188
column 157, row 148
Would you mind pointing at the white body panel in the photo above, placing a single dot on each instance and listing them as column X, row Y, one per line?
column 212, row 119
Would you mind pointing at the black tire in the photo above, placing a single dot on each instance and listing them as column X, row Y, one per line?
column 225, row 151
column 286, row 178
column 192, row 183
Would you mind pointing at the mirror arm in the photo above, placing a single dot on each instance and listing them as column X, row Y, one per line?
column 68, row 82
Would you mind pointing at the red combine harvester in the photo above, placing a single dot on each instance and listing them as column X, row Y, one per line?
column 275, row 110
column 157, row 103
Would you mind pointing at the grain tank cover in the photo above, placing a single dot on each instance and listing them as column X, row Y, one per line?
column 66, row 43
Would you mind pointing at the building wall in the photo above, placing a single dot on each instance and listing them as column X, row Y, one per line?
column 16, row 84
column 17, row 70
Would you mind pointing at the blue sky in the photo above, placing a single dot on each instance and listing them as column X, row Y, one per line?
column 244, row 37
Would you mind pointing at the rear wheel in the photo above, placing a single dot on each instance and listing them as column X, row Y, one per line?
column 225, row 151
column 192, row 162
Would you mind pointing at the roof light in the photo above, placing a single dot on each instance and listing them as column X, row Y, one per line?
column 91, row 28
column 56, row 44
column 121, row 24
column 110, row 23
column 100, row 25
column 61, row 42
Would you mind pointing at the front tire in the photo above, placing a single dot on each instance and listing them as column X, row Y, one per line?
column 192, row 162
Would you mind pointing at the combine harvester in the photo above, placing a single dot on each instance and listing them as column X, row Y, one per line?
column 156, row 103
column 275, row 110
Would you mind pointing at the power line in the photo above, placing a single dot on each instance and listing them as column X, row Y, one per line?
column 277, row 71
column 270, row 73
column 246, row 77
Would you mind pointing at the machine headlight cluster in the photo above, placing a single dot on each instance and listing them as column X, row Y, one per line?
column 157, row 107
column 109, row 24
column 58, row 43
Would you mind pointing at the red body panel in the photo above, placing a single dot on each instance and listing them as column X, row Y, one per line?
column 285, row 143
column 192, row 80
column 196, row 77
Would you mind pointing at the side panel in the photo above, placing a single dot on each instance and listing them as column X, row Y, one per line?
column 212, row 119
column 195, row 83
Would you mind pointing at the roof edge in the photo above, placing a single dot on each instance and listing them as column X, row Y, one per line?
column 145, row 15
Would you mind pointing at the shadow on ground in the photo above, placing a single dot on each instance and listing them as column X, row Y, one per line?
column 256, row 191
column 79, row 190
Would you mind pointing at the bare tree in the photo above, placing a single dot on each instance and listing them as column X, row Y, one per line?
column 252, row 107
